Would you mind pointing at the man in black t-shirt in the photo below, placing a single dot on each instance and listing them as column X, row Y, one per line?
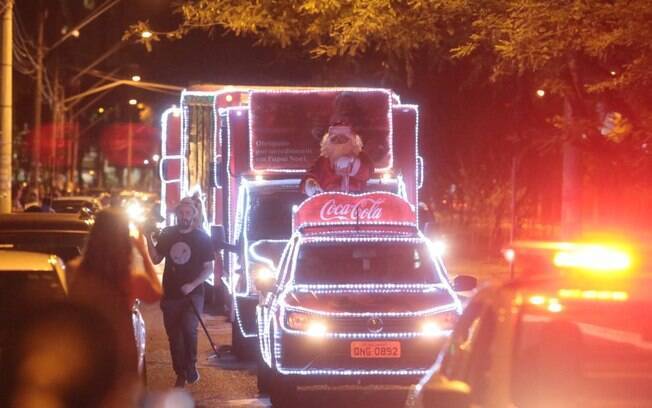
column 188, row 255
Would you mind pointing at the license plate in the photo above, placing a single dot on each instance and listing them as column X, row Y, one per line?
column 376, row 349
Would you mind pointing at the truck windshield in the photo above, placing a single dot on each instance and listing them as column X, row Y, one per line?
column 345, row 263
column 270, row 214
column 590, row 354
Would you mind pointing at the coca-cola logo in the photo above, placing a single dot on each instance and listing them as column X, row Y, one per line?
column 366, row 209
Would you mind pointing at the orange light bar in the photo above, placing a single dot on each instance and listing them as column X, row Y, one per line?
column 606, row 295
column 593, row 257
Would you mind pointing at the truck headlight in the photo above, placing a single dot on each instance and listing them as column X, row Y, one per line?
column 303, row 322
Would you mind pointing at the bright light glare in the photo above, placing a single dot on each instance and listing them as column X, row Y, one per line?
column 554, row 306
column 431, row 329
column 259, row 177
column 156, row 157
column 133, row 102
column 100, row 110
column 541, row 93
column 264, row 274
column 537, row 299
column 135, row 211
column 593, row 257
column 316, row 329
column 146, row 34
column 229, row 98
column 145, row 162
column 135, row 78
column 509, row 255
column 386, row 177
column 439, row 248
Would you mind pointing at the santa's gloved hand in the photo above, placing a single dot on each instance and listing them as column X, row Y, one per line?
column 347, row 166
column 312, row 187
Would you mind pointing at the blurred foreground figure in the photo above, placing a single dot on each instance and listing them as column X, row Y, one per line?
column 62, row 355
column 106, row 279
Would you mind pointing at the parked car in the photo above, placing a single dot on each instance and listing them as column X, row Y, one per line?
column 75, row 204
column 574, row 332
column 27, row 279
column 61, row 234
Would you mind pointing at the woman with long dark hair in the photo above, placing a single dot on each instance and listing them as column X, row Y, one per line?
column 107, row 278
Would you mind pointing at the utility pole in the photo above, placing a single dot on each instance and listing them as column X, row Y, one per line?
column 130, row 138
column 6, row 107
column 38, row 95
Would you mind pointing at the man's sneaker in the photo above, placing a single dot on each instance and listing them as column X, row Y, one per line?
column 180, row 382
column 192, row 375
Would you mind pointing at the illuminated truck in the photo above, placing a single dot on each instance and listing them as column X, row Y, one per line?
column 244, row 151
column 360, row 295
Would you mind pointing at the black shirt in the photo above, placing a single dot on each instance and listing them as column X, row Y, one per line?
column 185, row 255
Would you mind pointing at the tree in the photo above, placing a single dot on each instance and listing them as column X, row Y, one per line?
column 591, row 58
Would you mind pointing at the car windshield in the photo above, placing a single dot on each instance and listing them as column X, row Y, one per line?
column 65, row 244
column 589, row 354
column 351, row 263
column 270, row 214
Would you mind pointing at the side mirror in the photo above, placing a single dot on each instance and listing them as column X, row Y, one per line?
column 462, row 283
column 441, row 392
column 218, row 237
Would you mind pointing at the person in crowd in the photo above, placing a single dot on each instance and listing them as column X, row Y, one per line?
column 107, row 278
column 32, row 202
column 46, row 205
column 188, row 255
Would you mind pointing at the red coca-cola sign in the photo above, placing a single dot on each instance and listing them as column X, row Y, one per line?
column 340, row 208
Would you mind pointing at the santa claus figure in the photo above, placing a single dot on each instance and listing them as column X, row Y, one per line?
column 342, row 165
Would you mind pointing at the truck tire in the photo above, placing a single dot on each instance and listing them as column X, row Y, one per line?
column 237, row 340
column 282, row 392
column 263, row 376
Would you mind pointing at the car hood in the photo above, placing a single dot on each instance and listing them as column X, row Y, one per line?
column 371, row 300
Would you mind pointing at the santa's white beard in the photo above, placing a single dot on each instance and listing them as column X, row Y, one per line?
column 335, row 151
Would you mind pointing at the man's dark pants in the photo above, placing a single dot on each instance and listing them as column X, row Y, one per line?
column 181, row 327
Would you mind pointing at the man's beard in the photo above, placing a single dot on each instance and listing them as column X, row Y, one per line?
column 185, row 223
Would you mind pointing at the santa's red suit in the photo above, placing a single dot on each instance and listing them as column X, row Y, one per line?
column 328, row 179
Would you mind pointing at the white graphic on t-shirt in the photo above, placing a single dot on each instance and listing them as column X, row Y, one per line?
column 180, row 253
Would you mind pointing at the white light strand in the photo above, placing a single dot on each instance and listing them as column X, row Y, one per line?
column 164, row 156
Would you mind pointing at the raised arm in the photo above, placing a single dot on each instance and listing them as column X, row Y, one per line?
column 154, row 255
